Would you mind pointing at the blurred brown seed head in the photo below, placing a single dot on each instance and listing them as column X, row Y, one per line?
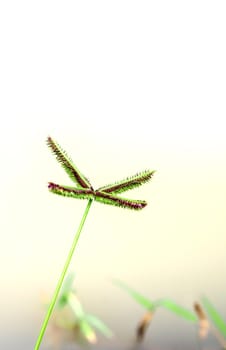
column 203, row 320
column 143, row 325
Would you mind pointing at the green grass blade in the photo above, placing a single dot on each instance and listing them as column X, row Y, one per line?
column 76, row 306
column 67, row 287
column 99, row 325
column 216, row 318
column 143, row 301
column 177, row 309
column 87, row 331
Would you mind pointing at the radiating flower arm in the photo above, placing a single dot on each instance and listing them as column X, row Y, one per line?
column 128, row 183
column 71, row 191
column 107, row 198
column 68, row 165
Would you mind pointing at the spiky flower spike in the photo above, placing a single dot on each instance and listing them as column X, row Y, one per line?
column 106, row 194
column 84, row 190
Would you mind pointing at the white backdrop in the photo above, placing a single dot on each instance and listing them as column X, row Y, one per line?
column 122, row 86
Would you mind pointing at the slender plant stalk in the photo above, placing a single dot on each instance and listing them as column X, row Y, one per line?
column 84, row 190
column 62, row 276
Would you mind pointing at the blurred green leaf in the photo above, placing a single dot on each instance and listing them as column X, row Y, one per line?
column 214, row 316
column 150, row 305
column 65, row 290
column 143, row 301
column 87, row 331
column 177, row 309
column 99, row 325
column 76, row 306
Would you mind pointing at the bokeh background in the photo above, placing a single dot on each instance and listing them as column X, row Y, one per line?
column 123, row 86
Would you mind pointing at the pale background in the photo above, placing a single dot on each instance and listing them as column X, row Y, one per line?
column 122, row 86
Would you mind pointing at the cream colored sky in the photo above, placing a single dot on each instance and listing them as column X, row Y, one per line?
column 122, row 86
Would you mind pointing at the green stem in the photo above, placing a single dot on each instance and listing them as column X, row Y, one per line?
column 61, row 279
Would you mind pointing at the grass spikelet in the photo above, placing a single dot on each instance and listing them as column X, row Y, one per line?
column 129, row 183
column 67, row 164
column 203, row 320
column 143, row 325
